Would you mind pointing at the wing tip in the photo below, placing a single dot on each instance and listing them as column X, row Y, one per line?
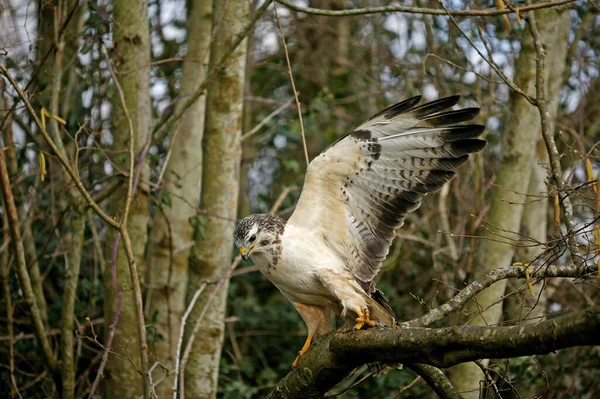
column 451, row 117
column 401, row 107
column 463, row 132
column 471, row 146
column 433, row 107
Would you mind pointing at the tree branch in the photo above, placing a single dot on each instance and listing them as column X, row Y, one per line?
column 22, row 273
column 419, row 10
column 445, row 347
column 59, row 155
column 436, row 380
column 548, row 134
column 322, row 367
column 332, row 358
column 490, row 278
column 164, row 125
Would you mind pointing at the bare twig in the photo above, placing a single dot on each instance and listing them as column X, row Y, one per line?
column 31, row 256
column 489, row 61
column 59, row 155
column 163, row 170
column 131, row 139
column 280, row 199
column 187, row 313
column 164, row 125
column 289, row 65
column 266, row 120
column 40, row 64
column 418, row 10
column 139, row 307
column 490, row 278
column 22, row 273
column 198, row 322
column 5, row 271
column 490, row 380
column 542, row 105
column 151, row 381
column 113, row 326
column 407, row 387
column 456, row 66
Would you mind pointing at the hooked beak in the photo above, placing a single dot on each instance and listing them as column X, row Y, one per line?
column 245, row 254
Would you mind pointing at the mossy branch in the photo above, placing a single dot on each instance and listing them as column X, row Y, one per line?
column 332, row 358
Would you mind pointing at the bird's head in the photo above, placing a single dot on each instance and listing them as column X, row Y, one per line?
column 255, row 233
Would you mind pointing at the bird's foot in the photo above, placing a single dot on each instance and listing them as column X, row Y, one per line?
column 295, row 364
column 362, row 319
column 303, row 350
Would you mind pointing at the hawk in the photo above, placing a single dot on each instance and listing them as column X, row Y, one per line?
column 356, row 193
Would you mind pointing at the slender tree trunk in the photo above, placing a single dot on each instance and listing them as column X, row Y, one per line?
column 73, row 265
column 220, row 185
column 513, row 178
column 172, row 232
column 131, row 51
column 57, row 66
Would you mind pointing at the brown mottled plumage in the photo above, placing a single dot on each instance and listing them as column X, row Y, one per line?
column 356, row 194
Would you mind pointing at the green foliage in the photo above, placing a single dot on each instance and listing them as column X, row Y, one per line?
column 339, row 86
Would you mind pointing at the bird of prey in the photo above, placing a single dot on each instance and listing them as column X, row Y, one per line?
column 356, row 193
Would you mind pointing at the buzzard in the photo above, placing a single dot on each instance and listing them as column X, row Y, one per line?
column 356, row 193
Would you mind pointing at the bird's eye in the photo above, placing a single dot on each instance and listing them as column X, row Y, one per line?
column 253, row 238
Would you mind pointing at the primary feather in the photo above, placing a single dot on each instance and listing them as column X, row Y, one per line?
column 359, row 190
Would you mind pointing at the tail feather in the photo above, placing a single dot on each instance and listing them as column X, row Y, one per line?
column 382, row 312
column 379, row 308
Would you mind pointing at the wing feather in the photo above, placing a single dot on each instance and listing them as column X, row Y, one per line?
column 359, row 190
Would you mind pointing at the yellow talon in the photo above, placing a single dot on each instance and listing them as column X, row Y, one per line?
column 362, row 319
column 303, row 350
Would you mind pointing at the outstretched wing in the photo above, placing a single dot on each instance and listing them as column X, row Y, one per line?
column 359, row 190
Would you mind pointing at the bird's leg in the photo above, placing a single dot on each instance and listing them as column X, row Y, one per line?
column 303, row 350
column 362, row 319
column 316, row 319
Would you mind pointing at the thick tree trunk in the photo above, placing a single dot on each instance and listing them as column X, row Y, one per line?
column 172, row 232
column 513, row 178
column 131, row 52
column 220, row 185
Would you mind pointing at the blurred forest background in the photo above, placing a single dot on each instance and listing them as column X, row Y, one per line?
column 176, row 118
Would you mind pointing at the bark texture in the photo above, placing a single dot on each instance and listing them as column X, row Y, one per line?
column 513, row 178
column 334, row 356
column 131, row 50
column 172, row 232
column 220, row 186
